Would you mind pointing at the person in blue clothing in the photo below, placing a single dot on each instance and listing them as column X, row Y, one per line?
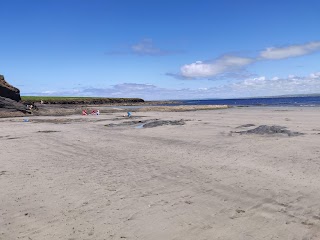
column 129, row 114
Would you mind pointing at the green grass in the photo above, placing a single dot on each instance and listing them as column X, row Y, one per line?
column 46, row 98
column 72, row 100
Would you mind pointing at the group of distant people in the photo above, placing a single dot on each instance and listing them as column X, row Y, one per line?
column 97, row 112
column 93, row 112
column 31, row 107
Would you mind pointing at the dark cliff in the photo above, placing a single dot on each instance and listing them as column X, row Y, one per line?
column 8, row 91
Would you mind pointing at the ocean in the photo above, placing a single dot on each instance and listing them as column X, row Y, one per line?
column 270, row 101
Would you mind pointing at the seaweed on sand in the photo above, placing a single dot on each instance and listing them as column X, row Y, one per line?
column 271, row 130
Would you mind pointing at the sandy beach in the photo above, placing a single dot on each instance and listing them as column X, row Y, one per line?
column 196, row 175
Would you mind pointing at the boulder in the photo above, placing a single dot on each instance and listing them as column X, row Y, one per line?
column 9, row 105
column 8, row 91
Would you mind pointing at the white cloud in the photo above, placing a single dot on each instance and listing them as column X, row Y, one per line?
column 290, row 51
column 200, row 69
column 202, row 89
column 315, row 75
column 145, row 47
column 48, row 92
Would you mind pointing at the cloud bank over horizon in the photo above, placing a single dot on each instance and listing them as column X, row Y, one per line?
column 250, row 87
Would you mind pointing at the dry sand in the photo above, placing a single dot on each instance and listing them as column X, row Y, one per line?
column 77, row 177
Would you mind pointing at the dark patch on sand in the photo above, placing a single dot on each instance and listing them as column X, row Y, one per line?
column 159, row 123
column 127, row 123
column 271, row 130
column 246, row 125
column 48, row 131
column 2, row 172
column 67, row 120
column 148, row 123
column 8, row 137
column 56, row 121
column 119, row 118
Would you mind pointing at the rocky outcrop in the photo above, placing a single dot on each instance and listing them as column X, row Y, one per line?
column 8, row 91
column 9, row 105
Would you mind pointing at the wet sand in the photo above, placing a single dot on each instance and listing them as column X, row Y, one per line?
column 191, row 175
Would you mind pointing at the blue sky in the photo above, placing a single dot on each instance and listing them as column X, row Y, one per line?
column 161, row 49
